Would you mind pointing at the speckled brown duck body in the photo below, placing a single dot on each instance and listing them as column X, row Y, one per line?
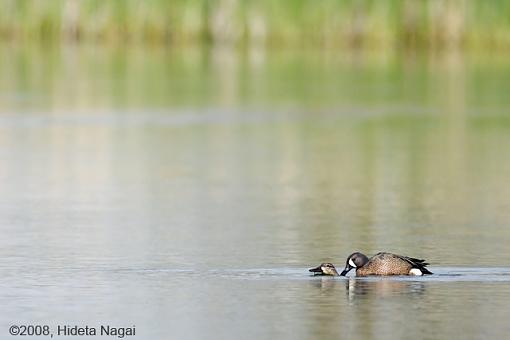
column 385, row 264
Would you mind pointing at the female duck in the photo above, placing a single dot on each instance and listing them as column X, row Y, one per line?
column 324, row 269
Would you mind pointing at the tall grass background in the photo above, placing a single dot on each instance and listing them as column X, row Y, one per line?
column 315, row 23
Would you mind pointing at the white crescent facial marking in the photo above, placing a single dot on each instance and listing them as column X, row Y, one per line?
column 351, row 263
column 415, row 271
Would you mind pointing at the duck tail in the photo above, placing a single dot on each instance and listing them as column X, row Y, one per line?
column 425, row 271
column 420, row 264
column 412, row 259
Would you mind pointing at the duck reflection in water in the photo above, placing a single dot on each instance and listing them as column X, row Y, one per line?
column 361, row 288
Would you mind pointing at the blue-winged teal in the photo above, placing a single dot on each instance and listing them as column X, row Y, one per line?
column 385, row 264
column 324, row 269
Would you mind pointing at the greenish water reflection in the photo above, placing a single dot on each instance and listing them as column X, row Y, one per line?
column 144, row 77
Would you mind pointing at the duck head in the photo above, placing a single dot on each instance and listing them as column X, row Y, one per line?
column 355, row 260
column 324, row 269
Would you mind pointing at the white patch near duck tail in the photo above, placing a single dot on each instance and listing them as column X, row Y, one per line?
column 351, row 263
column 415, row 271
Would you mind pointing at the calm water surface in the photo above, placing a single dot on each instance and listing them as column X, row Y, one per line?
column 188, row 192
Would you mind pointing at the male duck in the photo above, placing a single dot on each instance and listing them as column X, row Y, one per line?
column 385, row 264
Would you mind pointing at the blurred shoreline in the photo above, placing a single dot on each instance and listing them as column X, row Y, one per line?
column 326, row 24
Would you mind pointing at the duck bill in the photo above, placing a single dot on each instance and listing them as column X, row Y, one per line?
column 346, row 270
column 316, row 270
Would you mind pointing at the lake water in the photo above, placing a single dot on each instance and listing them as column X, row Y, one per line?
column 186, row 192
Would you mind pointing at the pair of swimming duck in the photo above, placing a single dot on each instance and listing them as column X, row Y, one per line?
column 379, row 264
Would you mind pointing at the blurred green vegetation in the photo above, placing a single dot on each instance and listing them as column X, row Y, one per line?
column 321, row 23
